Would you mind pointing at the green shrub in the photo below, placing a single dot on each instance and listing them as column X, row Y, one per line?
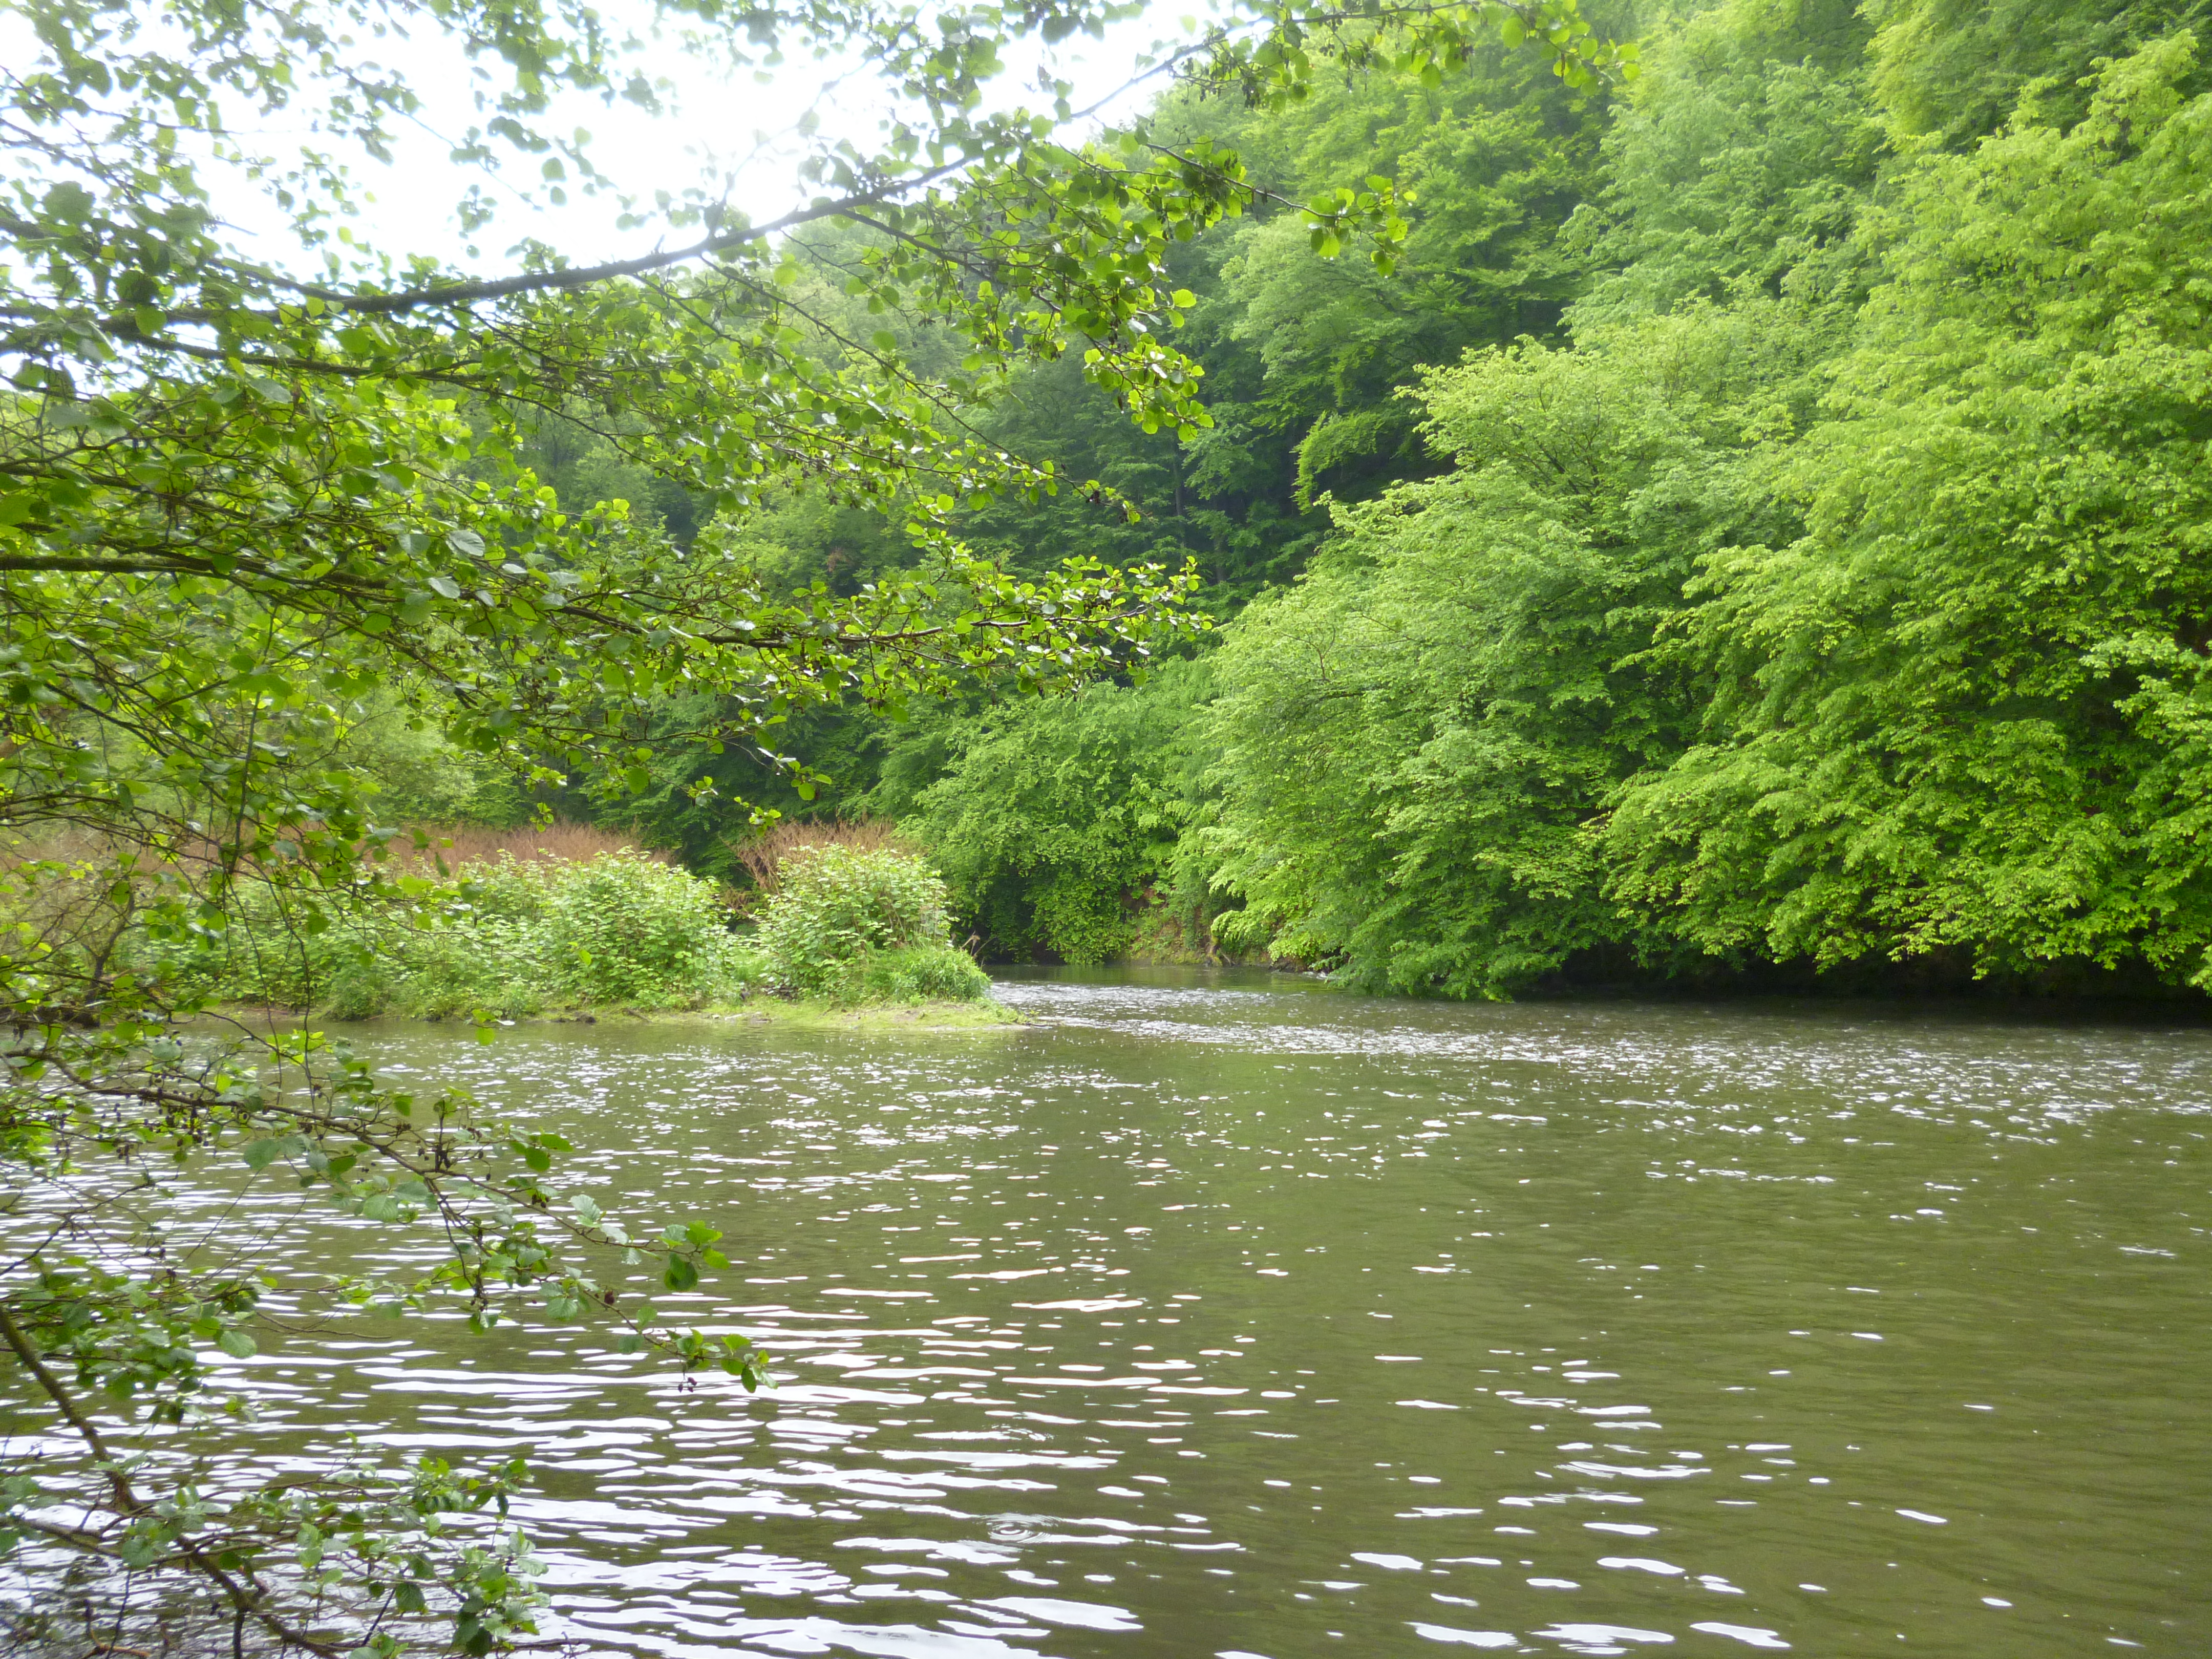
column 510, row 939
column 474, row 961
column 924, row 973
column 1047, row 815
column 623, row 929
column 843, row 921
column 268, row 952
column 517, row 937
column 1081, row 923
column 512, row 889
column 747, row 966
column 361, row 986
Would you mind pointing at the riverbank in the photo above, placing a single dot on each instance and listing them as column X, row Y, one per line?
column 799, row 1014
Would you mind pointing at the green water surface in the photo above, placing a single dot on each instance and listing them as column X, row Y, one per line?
column 1224, row 1317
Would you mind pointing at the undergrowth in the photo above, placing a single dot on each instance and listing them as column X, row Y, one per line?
column 859, row 924
column 515, row 937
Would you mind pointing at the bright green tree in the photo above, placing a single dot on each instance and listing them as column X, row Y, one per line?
column 1965, row 711
column 1416, row 736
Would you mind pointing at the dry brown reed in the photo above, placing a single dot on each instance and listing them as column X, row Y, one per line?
column 67, row 844
column 760, row 856
column 459, row 844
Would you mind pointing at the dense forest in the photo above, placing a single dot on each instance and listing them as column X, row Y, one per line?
column 1760, row 523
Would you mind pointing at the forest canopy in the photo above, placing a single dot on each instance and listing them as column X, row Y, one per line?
column 1761, row 529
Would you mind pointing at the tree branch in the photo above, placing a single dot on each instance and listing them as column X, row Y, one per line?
column 576, row 276
column 117, row 1482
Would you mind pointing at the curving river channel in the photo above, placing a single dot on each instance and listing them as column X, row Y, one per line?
column 1231, row 1317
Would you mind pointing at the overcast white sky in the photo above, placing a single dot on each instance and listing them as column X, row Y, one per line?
column 719, row 123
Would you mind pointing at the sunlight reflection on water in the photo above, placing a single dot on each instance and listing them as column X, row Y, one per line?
column 1239, row 1319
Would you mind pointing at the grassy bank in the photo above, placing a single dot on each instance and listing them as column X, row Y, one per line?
column 785, row 1013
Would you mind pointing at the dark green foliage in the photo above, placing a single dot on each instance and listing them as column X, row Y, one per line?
column 1304, row 358
column 1053, row 820
column 1304, row 361
column 584, row 467
column 926, row 972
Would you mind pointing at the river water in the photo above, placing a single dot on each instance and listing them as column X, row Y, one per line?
column 1231, row 1317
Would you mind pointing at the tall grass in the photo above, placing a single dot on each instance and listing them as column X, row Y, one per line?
column 459, row 845
column 762, row 856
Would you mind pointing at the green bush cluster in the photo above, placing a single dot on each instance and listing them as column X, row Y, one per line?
column 854, row 926
column 1053, row 819
column 516, row 938
column 511, row 938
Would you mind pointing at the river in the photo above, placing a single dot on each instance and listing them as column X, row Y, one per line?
column 1231, row 1317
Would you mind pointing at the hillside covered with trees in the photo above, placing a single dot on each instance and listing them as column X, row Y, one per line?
column 1761, row 522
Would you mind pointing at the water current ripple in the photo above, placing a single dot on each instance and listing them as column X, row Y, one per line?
column 1232, row 1318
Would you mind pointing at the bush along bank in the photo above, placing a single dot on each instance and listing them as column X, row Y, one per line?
column 515, row 938
column 848, row 925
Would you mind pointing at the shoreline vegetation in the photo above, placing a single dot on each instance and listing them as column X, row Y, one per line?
column 835, row 931
column 570, row 923
column 784, row 1013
